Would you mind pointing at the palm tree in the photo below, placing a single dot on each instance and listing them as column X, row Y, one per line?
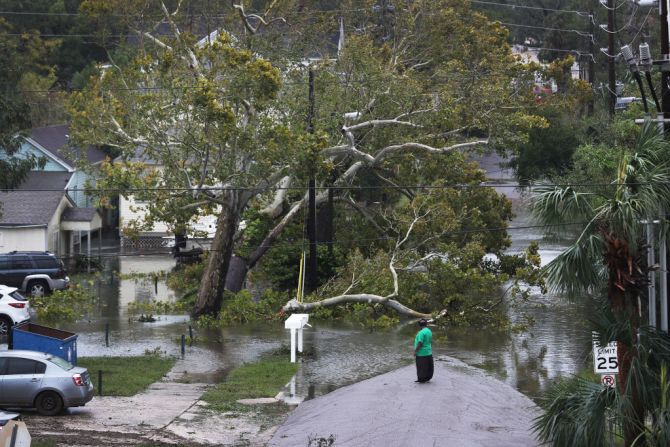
column 579, row 412
column 609, row 249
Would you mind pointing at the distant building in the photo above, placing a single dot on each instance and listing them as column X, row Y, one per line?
column 41, row 216
column 49, row 210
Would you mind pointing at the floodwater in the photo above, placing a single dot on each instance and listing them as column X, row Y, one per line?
column 337, row 353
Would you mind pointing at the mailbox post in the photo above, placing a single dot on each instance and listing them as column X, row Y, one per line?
column 295, row 324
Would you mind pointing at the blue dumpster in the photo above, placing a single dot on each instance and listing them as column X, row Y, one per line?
column 33, row 337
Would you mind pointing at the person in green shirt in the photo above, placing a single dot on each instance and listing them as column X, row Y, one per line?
column 423, row 352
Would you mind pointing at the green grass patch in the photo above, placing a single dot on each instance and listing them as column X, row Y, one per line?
column 264, row 378
column 126, row 376
column 39, row 442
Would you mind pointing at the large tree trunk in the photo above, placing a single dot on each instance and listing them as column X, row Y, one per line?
column 237, row 273
column 625, row 277
column 210, row 295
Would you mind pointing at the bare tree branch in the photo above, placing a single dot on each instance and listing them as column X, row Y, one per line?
column 261, row 19
column 376, row 123
column 295, row 306
column 195, row 65
column 155, row 40
column 390, row 150
column 274, row 209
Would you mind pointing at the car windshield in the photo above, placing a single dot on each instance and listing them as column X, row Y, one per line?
column 17, row 296
column 61, row 363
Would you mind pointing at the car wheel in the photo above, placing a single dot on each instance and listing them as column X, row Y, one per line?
column 38, row 288
column 49, row 403
column 5, row 326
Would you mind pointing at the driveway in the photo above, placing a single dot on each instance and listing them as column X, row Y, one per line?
column 461, row 406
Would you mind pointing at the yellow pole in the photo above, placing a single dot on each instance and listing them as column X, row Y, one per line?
column 302, row 263
column 304, row 275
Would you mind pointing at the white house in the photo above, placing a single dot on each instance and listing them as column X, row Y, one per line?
column 202, row 229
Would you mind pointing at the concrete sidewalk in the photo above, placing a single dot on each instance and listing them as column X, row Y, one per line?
column 461, row 406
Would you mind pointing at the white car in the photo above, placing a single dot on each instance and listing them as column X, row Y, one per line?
column 14, row 309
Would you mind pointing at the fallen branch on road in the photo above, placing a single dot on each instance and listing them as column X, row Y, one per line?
column 295, row 306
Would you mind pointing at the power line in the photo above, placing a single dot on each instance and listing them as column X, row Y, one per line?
column 515, row 6
column 290, row 244
column 161, row 15
column 566, row 30
column 118, row 36
column 341, row 188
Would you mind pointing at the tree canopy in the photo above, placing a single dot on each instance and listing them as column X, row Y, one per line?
column 219, row 124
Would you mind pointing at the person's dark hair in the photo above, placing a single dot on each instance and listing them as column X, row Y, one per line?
column 423, row 322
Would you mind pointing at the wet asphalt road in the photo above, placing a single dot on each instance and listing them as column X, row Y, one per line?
column 461, row 406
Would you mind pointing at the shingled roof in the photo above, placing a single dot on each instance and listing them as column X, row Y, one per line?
column 55, row 140
column 45, row 180
column 79, row 215
column 29, row 207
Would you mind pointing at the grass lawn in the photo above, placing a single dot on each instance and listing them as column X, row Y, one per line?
column 264, row 378
column 126, row 376
column 38, row 442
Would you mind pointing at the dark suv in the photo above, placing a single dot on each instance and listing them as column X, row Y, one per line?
column 34, row 272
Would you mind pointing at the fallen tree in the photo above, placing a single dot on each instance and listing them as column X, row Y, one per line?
column 205, row 125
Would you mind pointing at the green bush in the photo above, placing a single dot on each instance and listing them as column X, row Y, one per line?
column 187, row 277
column 63, row 305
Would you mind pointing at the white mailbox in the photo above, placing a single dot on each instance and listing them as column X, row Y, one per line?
column 296, row 323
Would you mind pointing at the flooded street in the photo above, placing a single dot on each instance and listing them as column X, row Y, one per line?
column 338, row 353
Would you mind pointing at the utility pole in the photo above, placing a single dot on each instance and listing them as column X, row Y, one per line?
column 330, row 218
column 592, row 71
column 665, row 107
column 662, row 114
column 611, row 56
column 312, row 282
column 665, row 63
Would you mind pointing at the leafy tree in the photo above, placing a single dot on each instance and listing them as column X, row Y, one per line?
column 22, row 58
column 228, row 128
column 69, row 43
column 549, row 150
column 609, row 249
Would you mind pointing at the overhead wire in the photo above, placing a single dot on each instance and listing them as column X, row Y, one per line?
column 567, row 30
column 161, row 15
column 342, row 187
column 299, row 244
column 625, row 27
column 539, row 8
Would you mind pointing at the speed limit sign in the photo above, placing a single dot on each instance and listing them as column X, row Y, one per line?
column 605, row 358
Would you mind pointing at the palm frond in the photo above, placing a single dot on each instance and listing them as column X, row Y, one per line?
column 608, row 328
column 575, row 414
column 578, row 269
column 554, row 206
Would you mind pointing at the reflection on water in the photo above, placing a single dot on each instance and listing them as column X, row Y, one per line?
column 339, row 353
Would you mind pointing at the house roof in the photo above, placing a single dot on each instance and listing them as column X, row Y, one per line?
column 55, row 140
column 79, row 215
column 45, row 181
column 29, row 207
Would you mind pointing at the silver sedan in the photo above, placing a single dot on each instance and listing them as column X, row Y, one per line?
column 42, row 381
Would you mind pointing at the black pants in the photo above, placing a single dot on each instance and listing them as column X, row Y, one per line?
column 424, row 368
